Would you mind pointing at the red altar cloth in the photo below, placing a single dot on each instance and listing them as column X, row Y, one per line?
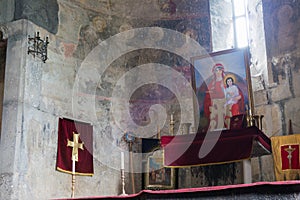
column 214, row 147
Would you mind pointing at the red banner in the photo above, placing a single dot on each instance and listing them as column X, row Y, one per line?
column 66, row 128
column 290, row 157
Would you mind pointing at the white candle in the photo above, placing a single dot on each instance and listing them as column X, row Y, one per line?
column 171, row 117
column 122, row 160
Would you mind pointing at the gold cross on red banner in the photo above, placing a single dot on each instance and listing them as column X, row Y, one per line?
column 75, row 146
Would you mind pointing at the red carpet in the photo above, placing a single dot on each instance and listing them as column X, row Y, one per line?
column 259, row 188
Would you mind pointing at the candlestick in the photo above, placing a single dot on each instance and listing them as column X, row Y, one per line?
column 123, row 183
column 122, row 174
column 250, row 117
column 250, row 112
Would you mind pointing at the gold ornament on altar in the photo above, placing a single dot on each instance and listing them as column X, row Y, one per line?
column 250, row 118
column 254, row 120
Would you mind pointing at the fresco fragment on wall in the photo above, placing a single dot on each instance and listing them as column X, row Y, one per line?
column 114, row 17
column 43, row 13
column 188, row 17
column 282, row 26
column 282, row 33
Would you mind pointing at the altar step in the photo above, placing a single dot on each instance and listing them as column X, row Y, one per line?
column 259, row 190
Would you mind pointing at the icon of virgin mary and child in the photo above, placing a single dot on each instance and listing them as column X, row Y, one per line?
column 224, row 98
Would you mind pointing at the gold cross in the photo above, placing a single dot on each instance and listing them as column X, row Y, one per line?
column 290, row 151
column 75, row 144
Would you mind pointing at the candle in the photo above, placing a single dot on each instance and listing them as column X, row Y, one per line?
column 171, row 117
column 158, row 133
column 122, row 160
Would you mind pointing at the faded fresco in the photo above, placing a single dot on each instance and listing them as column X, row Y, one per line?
column 113, row 19
column 175, row 15
column 43, row 13
column 282, row 22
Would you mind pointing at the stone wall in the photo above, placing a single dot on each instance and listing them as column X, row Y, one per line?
column 37, row 94
column 278, row 100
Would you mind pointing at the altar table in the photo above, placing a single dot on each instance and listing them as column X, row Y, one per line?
column 223, row 146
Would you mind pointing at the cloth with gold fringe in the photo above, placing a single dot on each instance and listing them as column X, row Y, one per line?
column 84, row 165
column 286, row 157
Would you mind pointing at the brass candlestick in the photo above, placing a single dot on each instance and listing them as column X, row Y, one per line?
column 250, row 118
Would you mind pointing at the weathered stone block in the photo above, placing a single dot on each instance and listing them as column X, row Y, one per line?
column 272, row 122
column 292, row 111
column 262, row 168
column 296, row 83
column 260, row 97
column 255, row 170
column 282, row 91
column 6, row 186
column 267, row 168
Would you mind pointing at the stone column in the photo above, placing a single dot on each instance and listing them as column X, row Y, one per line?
column 11, row 142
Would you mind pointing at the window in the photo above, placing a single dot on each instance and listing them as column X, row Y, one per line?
column 239, row 23
column 229, row 24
